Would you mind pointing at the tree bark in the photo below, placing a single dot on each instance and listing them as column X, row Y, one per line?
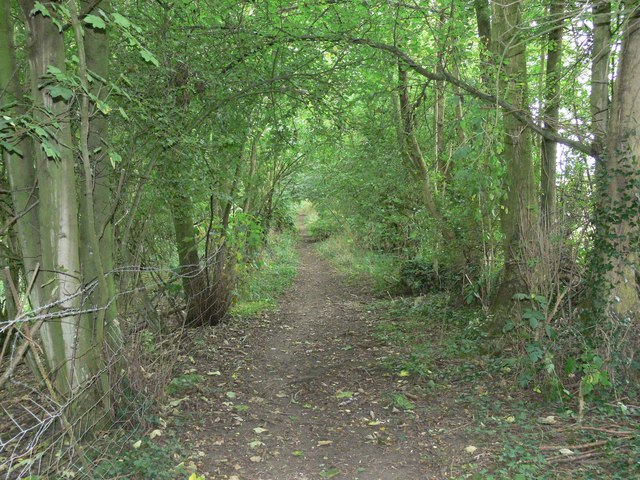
column 96, row 46
column 621, row 243
column 201, row 303
column 551, row 114
column 600, row 56
column 67, row 336
column 411, row 151
column 21, row 171
column 519, row 211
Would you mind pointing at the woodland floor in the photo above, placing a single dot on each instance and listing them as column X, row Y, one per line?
column 302, row 393
column 291, row 393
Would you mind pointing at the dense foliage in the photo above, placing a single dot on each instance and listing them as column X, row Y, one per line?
column 150, row 149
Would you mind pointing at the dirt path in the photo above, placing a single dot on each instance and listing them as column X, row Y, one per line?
column 301, row 395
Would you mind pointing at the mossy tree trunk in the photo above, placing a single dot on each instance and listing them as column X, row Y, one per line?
column 71, row 349
column 619, row 237
column 519, row 211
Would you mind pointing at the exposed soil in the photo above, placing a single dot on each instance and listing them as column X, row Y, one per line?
column 301, row 394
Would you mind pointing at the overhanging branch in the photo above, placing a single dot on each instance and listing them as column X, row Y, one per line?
column 523, row 117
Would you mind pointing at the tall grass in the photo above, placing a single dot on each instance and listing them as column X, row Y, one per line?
column 261, row 283
column 379, row 271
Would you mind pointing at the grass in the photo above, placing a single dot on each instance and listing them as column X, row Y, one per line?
column 261, row 284
column 375, row 270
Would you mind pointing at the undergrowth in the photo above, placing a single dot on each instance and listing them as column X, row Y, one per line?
column 261, row 283
column 520, row 433
column 375, row 270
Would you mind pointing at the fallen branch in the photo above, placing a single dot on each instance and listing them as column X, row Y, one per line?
column 581, row 446
column 573, row 458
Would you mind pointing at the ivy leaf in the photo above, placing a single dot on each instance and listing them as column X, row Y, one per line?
column 148, row 57
column 96, row 22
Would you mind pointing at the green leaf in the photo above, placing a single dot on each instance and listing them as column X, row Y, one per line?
column 11, row 148
column 535, row 352
column 59, row 92
column 121, row 20
column 115, row 158
column 95, row 22
column 344, row 394
column 148, row 57
column 534, row 317
column 103, row 107
column 39, row 8
column 50, row 150
column 330, row 473
column 508, row 326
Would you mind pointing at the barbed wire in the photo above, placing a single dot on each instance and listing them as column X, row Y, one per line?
column 37, row 436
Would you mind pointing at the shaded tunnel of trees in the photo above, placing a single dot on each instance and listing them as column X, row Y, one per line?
column 149, row 148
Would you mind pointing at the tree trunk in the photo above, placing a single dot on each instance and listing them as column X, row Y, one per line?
column 201, row 305
column 20, row 168
column 600, row 57
column 519, row 211
column 551, row 114
column 412, row 153
column 483, row 20
column 96, row 46
column 67, row 336
column 253, row 162
column 621, row 242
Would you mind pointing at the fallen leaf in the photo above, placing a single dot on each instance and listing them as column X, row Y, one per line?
column 256, row 459
column 255, row 444
column 470, row 449
column 330, row 473
column 137, row 444
column 344, row 394
column 550, row 420
column 323, row 443
column 297, row 453
column 260, row 430
column 155, row 433
column 566, row 451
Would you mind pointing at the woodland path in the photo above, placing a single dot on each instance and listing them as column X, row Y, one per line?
column 287, row 414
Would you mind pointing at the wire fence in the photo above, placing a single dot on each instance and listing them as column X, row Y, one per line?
column 46, row 434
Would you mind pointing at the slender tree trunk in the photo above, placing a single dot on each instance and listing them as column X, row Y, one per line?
column 201, row 308
column 519, row 213
column 483, row 20
column 20, row 168
column 253, row 163
column 439, row 109
column 600, row 56
column 96, row 46
column 411, row 151
column 551, row 114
